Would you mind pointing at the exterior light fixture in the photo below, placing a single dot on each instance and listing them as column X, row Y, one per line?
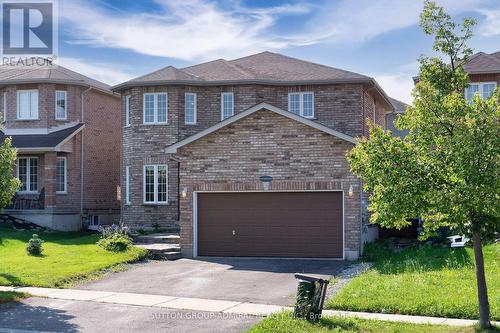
column 351, row 191
column 184, row 192
column 266, row 180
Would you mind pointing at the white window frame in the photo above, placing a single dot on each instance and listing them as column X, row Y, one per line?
column 127, row 185
column 480, row 88
column 30, row 91
column 155, row 177
column 63, row 158
column 301, row 103
column 155, row 109
column 91, row 220
column 28, row 173
column 127, row 110
column 222, row 105
column 65, row 93
column 195, row 116
column 4, row 107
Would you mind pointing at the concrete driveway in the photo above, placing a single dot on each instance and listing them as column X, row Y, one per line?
column 265, row 281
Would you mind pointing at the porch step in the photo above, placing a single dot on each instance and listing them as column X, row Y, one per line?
column 160, row 238
column 162, row 251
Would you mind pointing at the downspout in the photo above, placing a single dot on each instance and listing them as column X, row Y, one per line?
column 362, row 245
column 82, row 152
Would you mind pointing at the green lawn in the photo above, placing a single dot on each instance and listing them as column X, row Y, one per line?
column 11, row 296
column 284, row 323
column 425, row 280
column 66, row 258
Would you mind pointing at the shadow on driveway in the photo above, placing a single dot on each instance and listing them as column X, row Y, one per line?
column 266, row 281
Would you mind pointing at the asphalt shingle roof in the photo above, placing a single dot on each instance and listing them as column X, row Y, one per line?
column 399, row 107
column 483, row 63
column 57, row 74
column 50, row 140
column 261, row 67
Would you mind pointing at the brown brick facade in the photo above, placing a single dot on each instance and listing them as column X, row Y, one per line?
column 298, row 157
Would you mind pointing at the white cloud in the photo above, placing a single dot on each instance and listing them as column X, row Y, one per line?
column 491, row 26
column 398, row 85
column 188, row 30
column 104, row 72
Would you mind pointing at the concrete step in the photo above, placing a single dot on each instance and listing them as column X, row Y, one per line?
column 162, row 251
column 160, row 238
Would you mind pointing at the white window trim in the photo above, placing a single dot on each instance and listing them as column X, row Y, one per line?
column 480, row 87
column 65, row 105
column 65, row 175
column 28, row 172
column 127, row 185
column 94, row 226
column 195, row 109
column 155, row 109
column 301, row 103
column 4, row 119
column 222, row 105
column 155, row 177
column 127, row 110
column 18, row 104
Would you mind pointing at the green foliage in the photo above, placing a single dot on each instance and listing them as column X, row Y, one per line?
column 115, row 242
column 67, row 257
column 8, row 183
column 34, row 246
column 11, row 296
column 285, row 323
column 447, row 170
column 422, row 280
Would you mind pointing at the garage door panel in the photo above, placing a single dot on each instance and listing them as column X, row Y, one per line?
column 270, row 224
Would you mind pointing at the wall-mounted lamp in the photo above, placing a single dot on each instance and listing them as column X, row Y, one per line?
column 184, row 192
column 266, row 181
column 351, row 191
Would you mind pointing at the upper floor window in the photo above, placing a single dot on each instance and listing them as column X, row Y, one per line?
column 227, row 105
column 27, row 104
column 155, row 108
column 61, row 175
column 302, row 104
column 27, row 172
column 190, row 108
column 485, row 89
column 61, row 104
column 155, row 184
column 127, row 110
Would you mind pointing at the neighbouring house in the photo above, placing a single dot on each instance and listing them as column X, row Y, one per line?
column 484, row 74
column 399, row 108
column 248, row 156
column 64, row 126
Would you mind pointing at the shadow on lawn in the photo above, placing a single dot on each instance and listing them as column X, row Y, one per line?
column 62, row 238
column 26, row 317
column 13, row 280
column 421, row 258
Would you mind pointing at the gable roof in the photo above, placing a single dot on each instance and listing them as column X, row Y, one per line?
column 48, row 74
column 265, row 68
column 43, row 142
column 262, row 106
column 481, row 63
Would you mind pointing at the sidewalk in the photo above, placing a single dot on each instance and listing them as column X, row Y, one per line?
column 211, row 305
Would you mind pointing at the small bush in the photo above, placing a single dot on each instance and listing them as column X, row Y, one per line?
column 115, row 243
column 34, row 246
column 114, row 238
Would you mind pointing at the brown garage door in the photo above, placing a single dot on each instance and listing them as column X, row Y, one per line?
column 290, row 224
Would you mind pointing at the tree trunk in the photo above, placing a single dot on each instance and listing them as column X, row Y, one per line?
column 482, row 290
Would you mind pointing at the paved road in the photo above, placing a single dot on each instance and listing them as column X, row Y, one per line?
column 265, row 281
column 53, row 315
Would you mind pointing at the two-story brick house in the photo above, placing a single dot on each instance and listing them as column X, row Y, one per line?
column 64, row 126
column 484, row 74
column 248, row 155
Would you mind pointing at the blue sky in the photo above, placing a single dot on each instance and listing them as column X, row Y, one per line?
column 115, row 40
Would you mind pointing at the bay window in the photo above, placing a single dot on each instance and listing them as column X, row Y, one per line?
column 27, row 104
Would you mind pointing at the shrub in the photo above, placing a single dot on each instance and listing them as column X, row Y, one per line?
column 34, row 246
column 114, row 238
